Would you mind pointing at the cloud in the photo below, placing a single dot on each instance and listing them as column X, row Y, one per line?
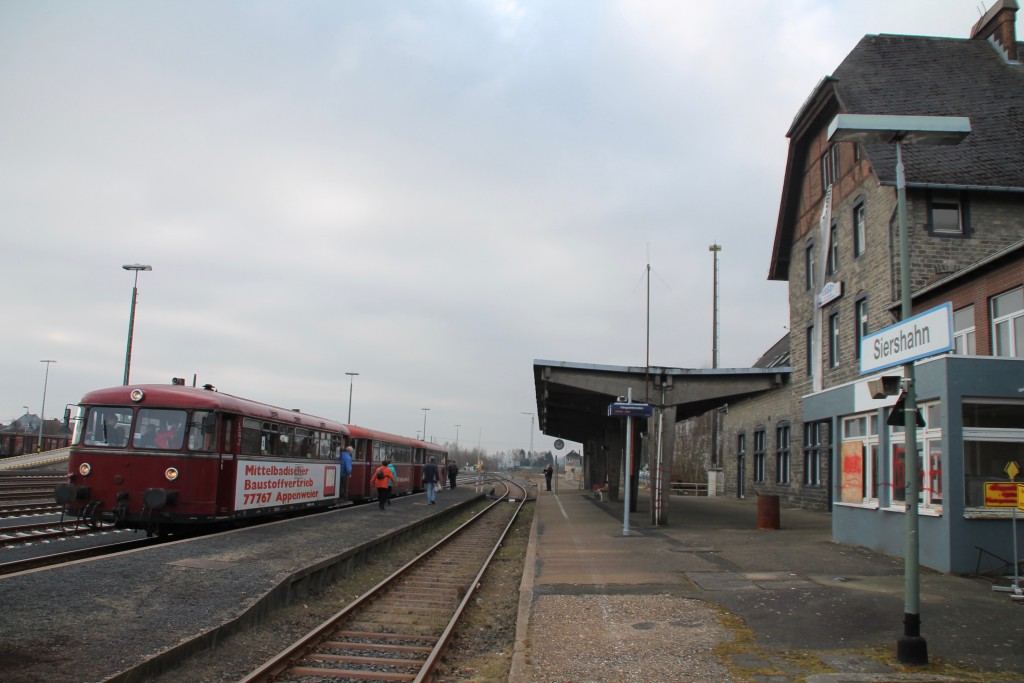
column 432, row 194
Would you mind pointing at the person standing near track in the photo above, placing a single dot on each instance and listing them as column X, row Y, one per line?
column 346, row 470
column 430, row 479
column 382, row 478
column 453, row 473
column 548, row 471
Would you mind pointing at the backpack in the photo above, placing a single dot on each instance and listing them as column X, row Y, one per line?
column 380, row 473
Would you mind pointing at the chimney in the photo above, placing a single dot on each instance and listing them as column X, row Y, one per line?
column 997, row 26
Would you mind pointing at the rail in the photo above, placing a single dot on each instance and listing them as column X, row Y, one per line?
column 398, row 630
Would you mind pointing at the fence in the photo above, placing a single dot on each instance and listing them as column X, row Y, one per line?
column 679, row 488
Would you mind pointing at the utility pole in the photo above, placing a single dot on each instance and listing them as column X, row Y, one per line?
column 714, row 249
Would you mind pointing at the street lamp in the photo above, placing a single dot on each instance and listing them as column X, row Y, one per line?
column 131, row 318
column 424, row 422
column 714, row 249
column 457, row 437
column 351, row 378
column 530, row 454
column 42, row 411
column 911, row 648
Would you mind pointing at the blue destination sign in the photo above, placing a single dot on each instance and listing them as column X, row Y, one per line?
column 924, row 334
column 630, row 410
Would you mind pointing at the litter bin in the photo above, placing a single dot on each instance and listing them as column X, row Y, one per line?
column 767, row 512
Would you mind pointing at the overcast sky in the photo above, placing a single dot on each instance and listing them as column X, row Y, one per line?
column 431, row 194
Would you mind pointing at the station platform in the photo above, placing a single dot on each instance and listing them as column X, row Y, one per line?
column 710, row 597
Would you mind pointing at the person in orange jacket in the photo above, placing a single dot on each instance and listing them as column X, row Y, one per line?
column 382, row 478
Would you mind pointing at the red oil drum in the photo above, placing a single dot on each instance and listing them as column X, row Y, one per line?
column 767, row 512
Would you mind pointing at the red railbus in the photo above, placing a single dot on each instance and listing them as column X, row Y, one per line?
column 372, row 447
column 163, row 457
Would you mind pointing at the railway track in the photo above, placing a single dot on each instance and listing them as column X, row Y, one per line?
column 25, row 509
column 38, row 531
column 398, row 630
column 76, row 555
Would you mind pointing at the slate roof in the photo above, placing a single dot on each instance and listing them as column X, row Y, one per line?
column 777, row 356
column 924, row 76
column 914, row 75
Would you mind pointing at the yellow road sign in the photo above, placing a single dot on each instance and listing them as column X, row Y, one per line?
column 1012, row 470
column 1001, row 494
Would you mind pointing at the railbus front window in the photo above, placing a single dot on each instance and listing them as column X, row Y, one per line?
column 79, row 426
column 159, row 428
column 108, row 426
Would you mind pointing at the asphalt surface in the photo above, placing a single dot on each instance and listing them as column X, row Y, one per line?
column 813, row 610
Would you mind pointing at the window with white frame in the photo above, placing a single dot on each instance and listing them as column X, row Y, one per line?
column 993, row 437
column 963, row 331
column 1008, row 324
column 859, row 460
column 829, row 167
column 929, row 454
column 833, row 340
column 759, row 455
column 860, row 314
column 860, row 227
column 782, row 454
column 812, row 453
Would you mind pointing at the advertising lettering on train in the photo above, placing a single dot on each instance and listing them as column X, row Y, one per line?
column 272, row 484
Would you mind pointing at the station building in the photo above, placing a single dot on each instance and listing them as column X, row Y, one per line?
column 800, row 424
column 820, row 441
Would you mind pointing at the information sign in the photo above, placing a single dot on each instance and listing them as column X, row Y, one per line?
column 630, row 410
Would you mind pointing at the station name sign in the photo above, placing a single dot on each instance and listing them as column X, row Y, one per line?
column 630, row 410
column 924, row 334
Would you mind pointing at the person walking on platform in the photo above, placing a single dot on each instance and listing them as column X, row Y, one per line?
column 393, row 488
column 430, row 479
column 453, row 473
column 346, row 470
column 548, row 471
column 381, row 479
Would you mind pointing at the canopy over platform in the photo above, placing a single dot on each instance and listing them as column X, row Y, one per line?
column 573, row 400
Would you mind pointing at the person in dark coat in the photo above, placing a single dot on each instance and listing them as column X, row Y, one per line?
column 548, row 471
column 453, row 472
column 430, row 478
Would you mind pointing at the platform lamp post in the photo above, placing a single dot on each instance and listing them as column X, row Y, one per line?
column 911, row 647
column 714, row 249
column 131, row 317
column 424, row 422
column 530, row 453
column 42, row 411
column 351, row 378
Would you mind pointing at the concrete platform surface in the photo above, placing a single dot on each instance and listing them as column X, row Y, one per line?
column 743, row 604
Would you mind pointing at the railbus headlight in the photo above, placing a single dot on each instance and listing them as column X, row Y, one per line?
column 84, row 469
column 137, row 395
column 171, row 473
